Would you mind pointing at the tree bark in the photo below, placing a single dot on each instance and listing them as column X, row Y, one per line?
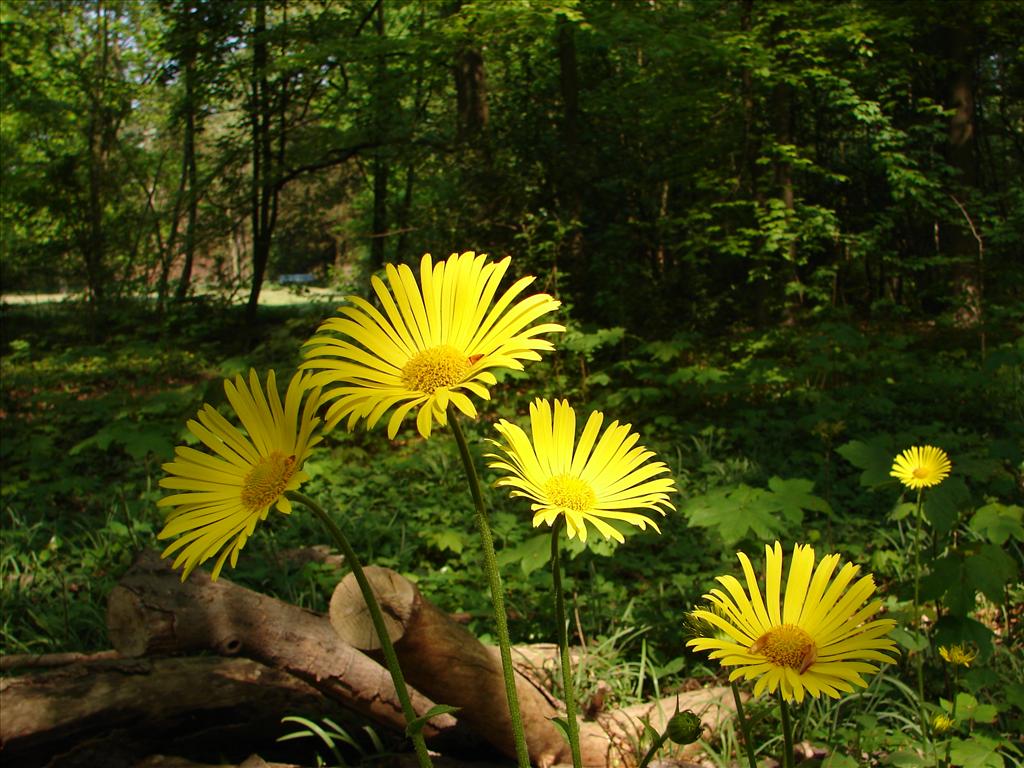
column 782, row 118
column 262, row 190
column 378, row 242
column 962, row 240
column 189, row 161
column 154, row 700
column 470, row 94
column 571, row 183
column 150, row 612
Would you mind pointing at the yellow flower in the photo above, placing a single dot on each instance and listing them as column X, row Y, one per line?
column 434, row 343
column 818, row 642
column 958, row 655
column 592, row 482
column 227, row 492
column 942, row 723
column 921, row 467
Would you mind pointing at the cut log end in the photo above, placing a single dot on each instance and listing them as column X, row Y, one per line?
column 350, row 617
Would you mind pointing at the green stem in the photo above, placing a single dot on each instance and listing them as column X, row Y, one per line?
column 390, row 658
column 952, row 712
column 919, row 655
column 563, row 646
column 787, row 732
column 744, row 726
column 497, row 592
column 653, row 750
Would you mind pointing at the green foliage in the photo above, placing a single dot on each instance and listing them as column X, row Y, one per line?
column 766, row 513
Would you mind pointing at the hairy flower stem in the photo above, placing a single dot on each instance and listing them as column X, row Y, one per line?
column 952, row 712
column 390, row 659
column 654, row 750
column 563, row 647
column 744, row 725
column 919, row 654
column 497, row 591
column 787, row 732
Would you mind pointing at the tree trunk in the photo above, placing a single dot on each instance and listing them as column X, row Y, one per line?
column 470, row 94
column 262, row 157
column 98, row 137
column 378, row 242
column 571, row 186
column 189, row 152
column 962, row 239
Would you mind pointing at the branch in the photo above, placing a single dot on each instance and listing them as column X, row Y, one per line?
column 337, row 157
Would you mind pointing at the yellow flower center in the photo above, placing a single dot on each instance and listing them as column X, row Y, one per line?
column 570, row 492
column 920, row 473
column 787, row 646
column 266, row 481
column 441, row 366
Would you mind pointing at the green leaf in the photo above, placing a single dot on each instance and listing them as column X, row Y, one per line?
column 912, row 641
column 836, row 760
column 735, row 511
column 979, row 752
column 949, row 579
column 902, row 510
column 990, row 570
column 794, row 496
column 449, row 539
column 416, row 725
column 563, row 726
column 998, row 522
column 874, row 457
column 943, row 504
column 907, row 759
column 963, row 629
column 1013, row 693
column 531, row 554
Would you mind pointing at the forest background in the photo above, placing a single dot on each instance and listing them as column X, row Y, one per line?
column 787, row 237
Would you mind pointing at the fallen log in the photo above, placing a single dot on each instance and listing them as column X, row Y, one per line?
column 20, row 661
column 443, row 660
column 147, row 702
column 152, row 612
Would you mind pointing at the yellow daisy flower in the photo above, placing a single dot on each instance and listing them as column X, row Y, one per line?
column 958, row 655
column 942, row 723
column 819, row 641
column 921, row 467
column 433, row 344
column 589, row 482
column 227, row 491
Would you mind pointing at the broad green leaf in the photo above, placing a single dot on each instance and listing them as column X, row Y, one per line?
column 978, row 752
column 949, row 580
column 912, row 641
column 907, row 759
column 734, row 512
column 794, row 496
column 874, row 457
column 449, row 539
column 990, row 570
column 531, row 554
column 902, row 510
column 963, row 629
column 836, row 760
column 943, row 504
column 998, row 522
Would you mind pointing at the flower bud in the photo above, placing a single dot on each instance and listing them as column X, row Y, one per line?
column 684, row 727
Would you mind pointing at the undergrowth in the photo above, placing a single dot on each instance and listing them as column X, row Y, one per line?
column 786, row 433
